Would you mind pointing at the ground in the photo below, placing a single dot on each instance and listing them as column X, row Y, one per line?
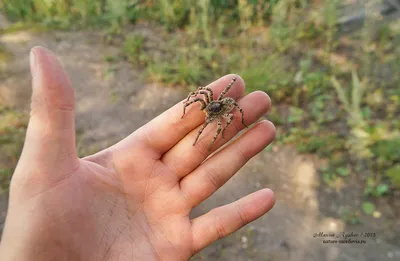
column 112, row 100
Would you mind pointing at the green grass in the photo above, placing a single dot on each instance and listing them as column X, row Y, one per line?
column 330, row 92
column 71, row 13
column 133, row 49
column 26, row 27
column 4, row 55
column 12, row 134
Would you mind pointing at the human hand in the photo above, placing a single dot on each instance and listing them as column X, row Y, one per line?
column 130, row 201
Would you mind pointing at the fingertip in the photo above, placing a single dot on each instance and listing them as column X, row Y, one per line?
column 271, row 127
column 266, row 99
column 269, row 197
column 267, row 128
column 48, row 68
column 39, row 53
column 33, row 63
column 41, row 50
column 36, row 56
column 45, row 58
column 258, row 203
column 260, row 98
column 52, row 90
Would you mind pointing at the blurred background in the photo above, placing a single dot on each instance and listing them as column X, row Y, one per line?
column 331, row 68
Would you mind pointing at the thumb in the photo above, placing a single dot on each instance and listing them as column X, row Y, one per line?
column 50, row 138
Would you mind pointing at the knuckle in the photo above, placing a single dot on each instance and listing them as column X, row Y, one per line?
column 215, row 180
column 235, row 125
column 66, row 107
column 235, row 122
column 202, row 148
column 219, row 228
column 243, row 153
column 179, row 124
column 242, row 216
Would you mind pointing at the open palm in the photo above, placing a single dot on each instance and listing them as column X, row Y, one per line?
column 131, row 201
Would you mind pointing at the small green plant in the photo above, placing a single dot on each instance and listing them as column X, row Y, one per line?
column 295, row 115
column 334, row 176
column 344, row 172
column 110, row 59
column 330, row 16
column 393, row 174
column 386, row 149
column 359, row 140
column 368, row 207
column 376, row 189
column 133, row 49
column 173, row 14
column 350, row 216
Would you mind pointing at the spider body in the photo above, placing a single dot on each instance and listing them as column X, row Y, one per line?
column 213, row 107
column 215, row 110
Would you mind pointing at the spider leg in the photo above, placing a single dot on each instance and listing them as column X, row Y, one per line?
column 210, row 95
column 216, row 134
column 206, row 96
column 190, row 95
column 241, row 111
column 201, row 130
column 203, row 104
column 227, row 88
column 199, row 91
column 230, row 115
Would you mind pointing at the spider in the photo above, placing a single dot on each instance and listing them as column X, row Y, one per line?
column 214, row 109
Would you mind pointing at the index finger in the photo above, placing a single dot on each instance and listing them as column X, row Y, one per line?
column 167, row 129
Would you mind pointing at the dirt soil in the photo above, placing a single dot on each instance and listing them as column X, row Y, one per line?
column 112, row 101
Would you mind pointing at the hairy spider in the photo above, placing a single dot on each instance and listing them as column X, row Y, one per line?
column 214, row 109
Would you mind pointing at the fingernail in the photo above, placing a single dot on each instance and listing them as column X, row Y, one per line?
column 33, row 64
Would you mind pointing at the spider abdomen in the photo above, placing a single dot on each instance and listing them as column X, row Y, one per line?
column 214, row 107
